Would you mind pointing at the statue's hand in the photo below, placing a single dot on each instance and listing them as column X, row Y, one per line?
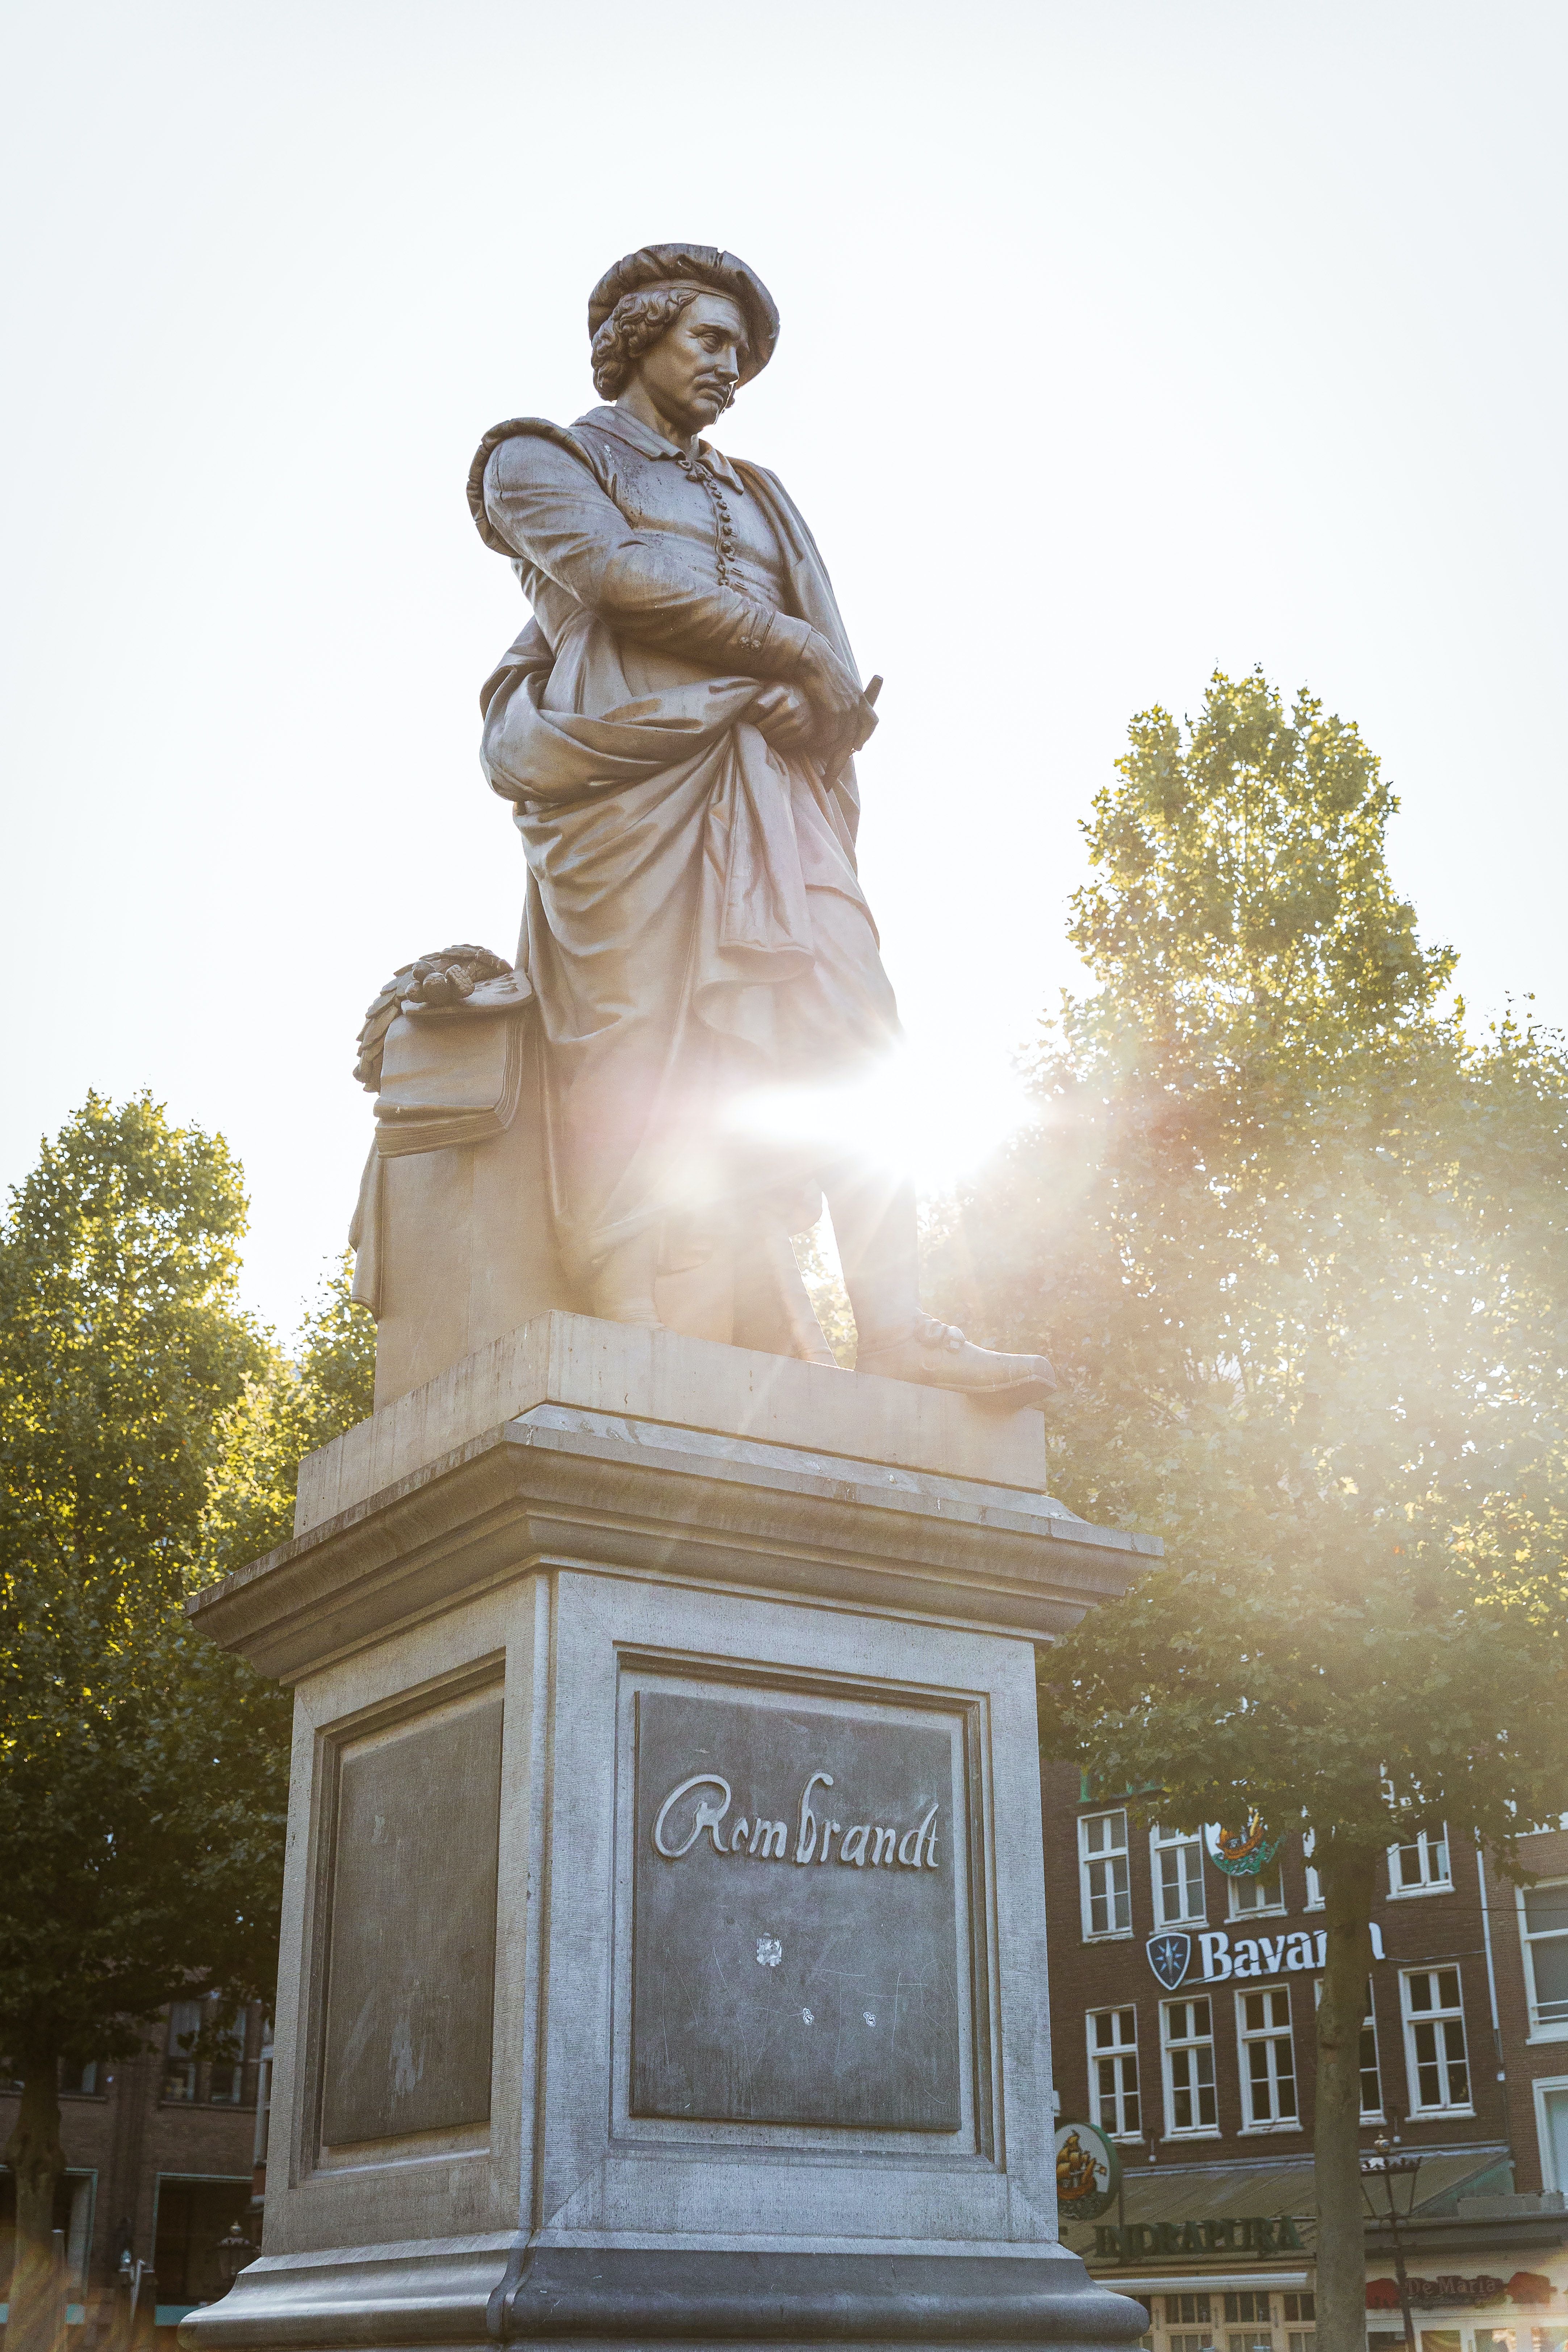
column 784, row 716
column 844, row 715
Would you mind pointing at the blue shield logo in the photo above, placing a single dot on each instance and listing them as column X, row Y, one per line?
column 1168, row 1957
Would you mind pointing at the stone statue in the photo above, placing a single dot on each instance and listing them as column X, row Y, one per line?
column 676, row 731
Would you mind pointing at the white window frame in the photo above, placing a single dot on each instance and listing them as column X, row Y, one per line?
column 1552, row 2028
column 1413, row 2018
column 184, row 2017
column 1314, row 1901
column 1369, row 2024
column 1426, row 1848
column 1194, row 2296
column 1168, row 2050
column 1114, row 2051
column 1377, row 2115
column 1087, row 1861
column 1270, row 2035
column 1162, row 1842
column 1276, row 1878
column 1542, row 2086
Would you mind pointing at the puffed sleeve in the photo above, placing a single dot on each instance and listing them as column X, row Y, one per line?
column 548, row 508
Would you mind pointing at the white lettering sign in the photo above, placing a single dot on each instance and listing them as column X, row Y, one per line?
column 703, row 1802
column 1268, row 1956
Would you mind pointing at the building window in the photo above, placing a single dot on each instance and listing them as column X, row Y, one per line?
column 219, row 2081
column 1113, row 2071
column 1103, row 1868
column 1370, row 2072
column 78, row 2082
column 1314, row 1901
column 179, row 2066
column 1300, row 2321
column 1190, row 2315
column 1552, row 2128
column 192, row 2218
column 1544, row 1931
column 1267, row 2059
column 1422, row 1866
column 1434, row 2042
column 1176, row 1868
column 1248, row 2318
column 1186, row 2030
column 1266, row 1893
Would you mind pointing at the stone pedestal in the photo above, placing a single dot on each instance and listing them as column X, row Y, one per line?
column 664, row 1945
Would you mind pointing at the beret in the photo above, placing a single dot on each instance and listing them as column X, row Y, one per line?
column 701, row 265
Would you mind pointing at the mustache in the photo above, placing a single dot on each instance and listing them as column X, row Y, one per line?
column 723, row 387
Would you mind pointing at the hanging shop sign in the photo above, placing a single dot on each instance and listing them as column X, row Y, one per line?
column 1172, row 1954
column 1243, row 1853
column 1088, row 2172
column 1524, row 2286
column 1250, row 2233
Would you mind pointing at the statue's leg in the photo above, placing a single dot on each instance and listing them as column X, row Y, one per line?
column 774, row 1312
column 875, row 1225
column 620, row 1288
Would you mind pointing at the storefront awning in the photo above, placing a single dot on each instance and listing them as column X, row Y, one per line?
column 1224, row 2219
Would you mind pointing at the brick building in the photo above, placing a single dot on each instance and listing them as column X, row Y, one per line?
column 163, row 2154
column 1182, row 2009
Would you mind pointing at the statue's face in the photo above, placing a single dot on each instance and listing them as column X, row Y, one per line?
column 695, row 365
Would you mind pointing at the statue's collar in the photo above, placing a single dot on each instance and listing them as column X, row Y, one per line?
column 624, row 426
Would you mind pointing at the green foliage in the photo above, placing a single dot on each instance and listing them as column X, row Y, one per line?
column 122, row 1347
column 142, row 1773
column 1298, row 1245
column 284, row 1413
column 829, row 1299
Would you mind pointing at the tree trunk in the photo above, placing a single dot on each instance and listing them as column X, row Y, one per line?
column 1349, row 1875
column 37, row 2163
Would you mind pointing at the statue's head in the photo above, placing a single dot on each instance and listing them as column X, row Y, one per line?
column 691, row 323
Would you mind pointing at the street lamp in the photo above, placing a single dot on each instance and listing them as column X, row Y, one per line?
column 1386, row 2161
column 234, row 2250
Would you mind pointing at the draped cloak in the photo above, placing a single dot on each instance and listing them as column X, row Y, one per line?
column 694, row 928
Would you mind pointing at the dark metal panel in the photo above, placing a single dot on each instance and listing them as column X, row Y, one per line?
column 769, row 1985
column 412, row 1934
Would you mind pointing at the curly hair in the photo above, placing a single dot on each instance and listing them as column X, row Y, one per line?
column 632, row 327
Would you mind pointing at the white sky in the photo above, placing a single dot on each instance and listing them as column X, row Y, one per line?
column 1121, row 339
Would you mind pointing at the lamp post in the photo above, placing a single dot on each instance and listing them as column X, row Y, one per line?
column 234, row 2250
column 1386, row 2160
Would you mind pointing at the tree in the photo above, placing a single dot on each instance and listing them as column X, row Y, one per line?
column 1299, row 1243
column 143, row 1772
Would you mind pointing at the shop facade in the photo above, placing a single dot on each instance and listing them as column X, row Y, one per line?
column 1182, row 1999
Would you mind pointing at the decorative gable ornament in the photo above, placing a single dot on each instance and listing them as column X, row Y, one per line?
column 1241, row 1854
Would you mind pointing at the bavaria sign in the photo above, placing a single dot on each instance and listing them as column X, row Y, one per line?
column 1170, row 1954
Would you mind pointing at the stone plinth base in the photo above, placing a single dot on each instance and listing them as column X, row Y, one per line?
column 664, row 1947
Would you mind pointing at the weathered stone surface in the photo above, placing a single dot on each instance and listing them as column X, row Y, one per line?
column 411, row 1934
column 662, row 1376
column 634, row 1588
column 797, row 1954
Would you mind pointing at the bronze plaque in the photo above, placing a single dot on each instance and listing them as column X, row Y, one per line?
column 795, row 1938
column 412, row 1938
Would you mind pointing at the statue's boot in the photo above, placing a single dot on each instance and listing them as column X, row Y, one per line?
column 939, row 1356
column 875, row 1226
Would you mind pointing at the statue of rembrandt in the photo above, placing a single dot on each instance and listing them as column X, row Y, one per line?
column 676, row 729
